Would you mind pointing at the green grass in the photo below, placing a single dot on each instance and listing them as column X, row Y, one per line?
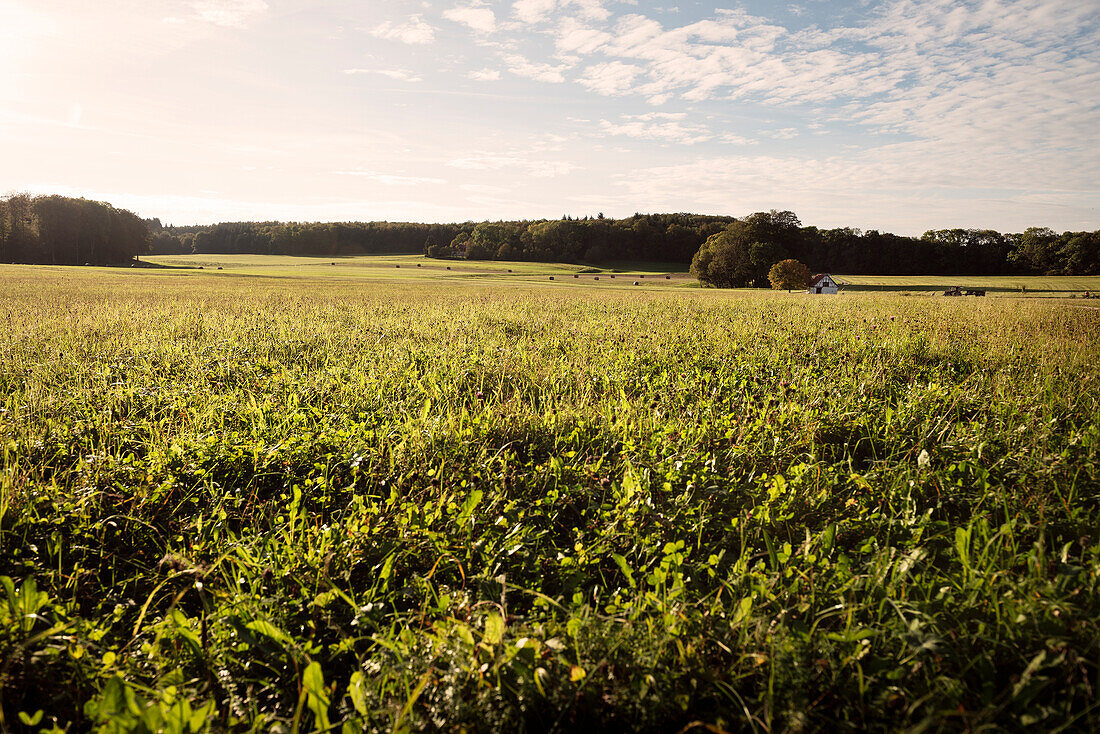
column 995, row 285
column 650, row 275
column 415, row 267
column 401, row 502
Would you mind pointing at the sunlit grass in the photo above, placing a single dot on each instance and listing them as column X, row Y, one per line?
column 995, row 285
column 302, row 502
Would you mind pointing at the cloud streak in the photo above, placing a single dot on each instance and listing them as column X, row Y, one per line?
column 230, row 13
column 477, row 17
column 413, row 31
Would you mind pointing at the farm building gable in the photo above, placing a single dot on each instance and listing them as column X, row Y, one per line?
column 822, row 283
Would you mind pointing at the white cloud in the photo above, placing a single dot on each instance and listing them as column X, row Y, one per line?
column 533, row 11
column 234, row 13
column 522, row 66
column 659, row 128
column 476, row 17
column 734, row 139
column 485, row 75
column 611, row 78
column 413, row 31
column 404, row 75
column 390, row 179
column 589, row 9
column 575, row 37
column 785, row 133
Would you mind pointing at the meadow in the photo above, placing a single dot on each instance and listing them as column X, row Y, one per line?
column 305, row 497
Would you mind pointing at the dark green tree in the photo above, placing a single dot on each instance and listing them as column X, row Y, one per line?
column 431, row 247
column 741, row 255
column 486, row 241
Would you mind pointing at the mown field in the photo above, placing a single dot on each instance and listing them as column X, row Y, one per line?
column 306, row 503
column 1017, row 286
column 649, row 275
column 417, row 269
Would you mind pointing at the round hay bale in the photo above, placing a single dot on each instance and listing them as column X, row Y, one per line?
column 668, row 277
column 551, row 277
column 635, row 282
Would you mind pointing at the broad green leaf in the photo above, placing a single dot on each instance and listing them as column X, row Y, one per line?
column 621, row 562
column 494, row 628
column 267, row 629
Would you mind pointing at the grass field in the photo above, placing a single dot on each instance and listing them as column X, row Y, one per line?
column 367, row 499
column 994, row 285
column 410, row 267
column 418, row 268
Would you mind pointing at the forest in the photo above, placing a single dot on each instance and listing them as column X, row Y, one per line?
column 61, row 230
column 58, row 230
column 666, row 238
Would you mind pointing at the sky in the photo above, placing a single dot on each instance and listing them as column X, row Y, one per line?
column 897, row 115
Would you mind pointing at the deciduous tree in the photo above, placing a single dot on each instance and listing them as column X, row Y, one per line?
column 788, row 274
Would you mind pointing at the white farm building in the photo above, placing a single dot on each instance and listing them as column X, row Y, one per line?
column 822, row 283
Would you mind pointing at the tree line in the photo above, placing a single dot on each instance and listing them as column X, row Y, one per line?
column 765, row 238
column 320, row 239
column 59, row 230
column 670, row 238
column 743, row 253
column 723, row 250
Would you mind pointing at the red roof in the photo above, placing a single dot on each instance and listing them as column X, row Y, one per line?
column 817, row 278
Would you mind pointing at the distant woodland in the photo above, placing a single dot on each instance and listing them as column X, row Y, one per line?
column 60, row 230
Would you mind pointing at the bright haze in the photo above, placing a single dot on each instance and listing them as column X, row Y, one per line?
column 901, row 115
